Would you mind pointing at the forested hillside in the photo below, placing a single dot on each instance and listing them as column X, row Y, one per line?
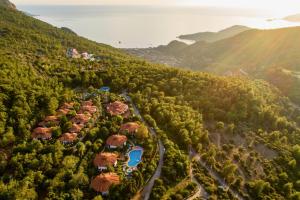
column 245, row 131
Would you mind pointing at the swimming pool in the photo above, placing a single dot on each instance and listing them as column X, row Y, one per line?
column 135, row 157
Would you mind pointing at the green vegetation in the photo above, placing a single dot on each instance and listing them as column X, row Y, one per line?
column 245, row 130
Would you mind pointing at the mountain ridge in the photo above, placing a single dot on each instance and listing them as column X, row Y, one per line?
column 215, row 36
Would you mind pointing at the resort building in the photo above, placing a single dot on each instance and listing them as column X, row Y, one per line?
column 68, row 138
column 42, row 133
column 67, row 105
column 76, row 128
column 63, row 111
column 54, row 120
column 103, row 182
column 72, row 53
column 87, row 103
column 85, row 55
column 117, row 108
column 81, row 119
column 89, row 109
column 130, row 127
column 116, row 141
column 104, row 160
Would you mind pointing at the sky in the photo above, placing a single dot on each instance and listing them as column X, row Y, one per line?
column 282, row 6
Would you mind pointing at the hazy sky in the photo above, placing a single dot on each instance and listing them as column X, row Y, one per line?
column 282, row 6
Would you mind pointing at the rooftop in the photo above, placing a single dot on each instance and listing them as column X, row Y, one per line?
column 75, row 128
column 105, row 159
column 117, row 108
column 42, row 133
column 130, row 127
column 116, row 140
column 81, row 118
column 68, row 137
column 103, row 182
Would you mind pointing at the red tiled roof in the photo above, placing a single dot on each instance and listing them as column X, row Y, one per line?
column 67, row 105
column 42, row 133
column 130, row 127
column 103, row 182
column 63, row 111
column 49, row 119
column 87, row 103
column 116, row 140
column 81, row 118
column 89, row 109
column 105, row 159
column 117, row 108
column 76, row 128
column 68, row 137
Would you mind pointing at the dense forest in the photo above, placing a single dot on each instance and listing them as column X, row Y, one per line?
column 245, row 131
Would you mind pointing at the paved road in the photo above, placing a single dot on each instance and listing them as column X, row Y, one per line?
column 148, row 187
column 215, row 175
column 201, row 191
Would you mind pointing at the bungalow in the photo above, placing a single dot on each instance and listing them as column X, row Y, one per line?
column 81, row 118
column 76, row 128
column 50, row 119
column 130, row 127
column 104, row 160
column 68, row 138
column 103, row 182
column 42, row 133
column 87, row 103
column 63, row 111
column 89, row 109
column 116, row 141
column 117, row 108
column 67, row 105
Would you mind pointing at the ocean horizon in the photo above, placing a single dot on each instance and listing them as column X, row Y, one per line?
column 148, row 26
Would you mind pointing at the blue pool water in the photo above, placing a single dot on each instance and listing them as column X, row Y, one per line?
column 135, row 157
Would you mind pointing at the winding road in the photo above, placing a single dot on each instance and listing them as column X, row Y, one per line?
column 145, row 194
column 214, row 174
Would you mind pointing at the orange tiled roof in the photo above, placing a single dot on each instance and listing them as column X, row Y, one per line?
column 105, row 159
column 54, row 119
column 63, row 111
column 130, row 127
column 68, row 137
column 103, row 182
column 87, row 103
column 75, row 128
column 89, row 109
column 117, row 108
column 67, row 105
column 81, row 118
column 116, row 140
column 42, row 133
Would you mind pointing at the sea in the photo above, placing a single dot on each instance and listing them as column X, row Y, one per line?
column 149, row 26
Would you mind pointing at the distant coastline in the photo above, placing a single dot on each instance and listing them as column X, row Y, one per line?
column 293, row 18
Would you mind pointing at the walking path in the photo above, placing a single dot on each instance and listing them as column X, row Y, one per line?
column 148, row 188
